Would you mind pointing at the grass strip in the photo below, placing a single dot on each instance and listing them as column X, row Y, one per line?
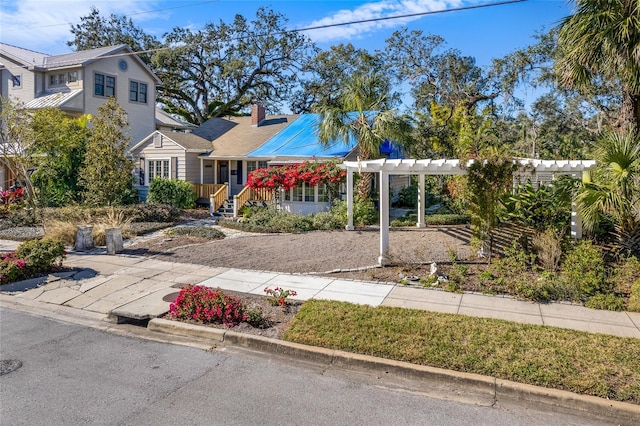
column 580, row 362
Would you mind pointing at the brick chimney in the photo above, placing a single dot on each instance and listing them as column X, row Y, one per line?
column 257, row 114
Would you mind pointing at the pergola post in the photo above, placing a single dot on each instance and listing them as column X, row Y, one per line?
column 384, row 219
column 576, row 222
column 422, row 202
column 349, row 226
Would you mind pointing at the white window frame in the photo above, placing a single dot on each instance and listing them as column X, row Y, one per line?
column 165, row 169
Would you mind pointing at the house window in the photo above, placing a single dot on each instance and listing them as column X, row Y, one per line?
column 17, row 80
column 255, row 165
column 105, row 85
column 72, row 76
column 323, row 194
column 138, row 92
column 309, row 193
column 296, row 193
column 158, row 168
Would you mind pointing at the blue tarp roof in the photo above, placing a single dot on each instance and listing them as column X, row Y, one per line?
column 300, row 139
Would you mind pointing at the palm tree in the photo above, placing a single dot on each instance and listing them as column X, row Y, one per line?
column 363, row 115
column 615, row 188
column 601, row 41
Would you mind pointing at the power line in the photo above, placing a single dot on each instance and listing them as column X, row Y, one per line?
column 408, row 15
column 298, row 30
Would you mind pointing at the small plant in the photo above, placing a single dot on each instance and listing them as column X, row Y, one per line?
column 548, row 247
column 207, row 305
column 608, row 302
column 278, row 296
column 584, row 269
column 255, row 318
column 197, row 231
column 634, row 297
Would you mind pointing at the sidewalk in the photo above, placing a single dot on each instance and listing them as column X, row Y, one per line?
column 141, row 288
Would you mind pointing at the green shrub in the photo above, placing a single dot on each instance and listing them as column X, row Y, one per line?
column 197, row 231
column 623, row 274
column 327, row 221
column 173, row 192
column 19, row 217
column 408, row 197
column 584, row 269
column 291, row 222
column 153, row 213
column 364, row 212
column 634, row 297
column 41, row 255
column 608, row 302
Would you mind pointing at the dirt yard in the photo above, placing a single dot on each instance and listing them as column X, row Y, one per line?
column 316, row 252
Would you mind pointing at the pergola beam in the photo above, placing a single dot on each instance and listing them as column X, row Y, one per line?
column 443, row 167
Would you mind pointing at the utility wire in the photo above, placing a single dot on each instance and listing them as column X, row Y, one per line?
column 298, row 30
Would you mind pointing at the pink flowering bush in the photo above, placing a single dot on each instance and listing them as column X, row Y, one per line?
column 278, row 296
column 31, row 258
column 12, row 268
column 207, row 305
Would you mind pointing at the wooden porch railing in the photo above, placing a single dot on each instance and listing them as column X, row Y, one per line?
column 219, row 197
column 205, row 190
column 249, row 194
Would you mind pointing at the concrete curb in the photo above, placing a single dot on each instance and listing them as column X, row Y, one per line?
column 485, row 386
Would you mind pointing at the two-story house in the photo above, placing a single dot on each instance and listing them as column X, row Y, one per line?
column 80, row 82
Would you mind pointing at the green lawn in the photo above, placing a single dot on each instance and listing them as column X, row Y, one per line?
column 593, row 364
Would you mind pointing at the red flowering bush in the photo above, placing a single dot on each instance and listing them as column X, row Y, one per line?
column 12, row 268
column 289, row 176
column 207, row 305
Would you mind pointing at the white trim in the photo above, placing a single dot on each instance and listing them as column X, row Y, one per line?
column 443, row 167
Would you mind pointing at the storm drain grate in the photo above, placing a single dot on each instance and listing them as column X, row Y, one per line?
column 9, row 365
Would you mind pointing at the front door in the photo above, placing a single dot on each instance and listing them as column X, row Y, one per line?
column 223, row 171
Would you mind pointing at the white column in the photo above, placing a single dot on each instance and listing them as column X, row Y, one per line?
column 215, row 171
column 384, row 219
column 201, row 171
column 576, row 222
column 349, row 226
column 422, row 202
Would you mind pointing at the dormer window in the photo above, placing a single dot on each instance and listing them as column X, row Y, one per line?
column 62, row 78
column 17, row 80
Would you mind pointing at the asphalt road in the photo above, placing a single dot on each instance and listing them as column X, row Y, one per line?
column 72, row 375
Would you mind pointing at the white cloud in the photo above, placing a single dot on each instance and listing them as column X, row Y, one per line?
column 373, row 10
column 44, row 25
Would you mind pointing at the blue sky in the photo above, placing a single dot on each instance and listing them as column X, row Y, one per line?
column 43, row 25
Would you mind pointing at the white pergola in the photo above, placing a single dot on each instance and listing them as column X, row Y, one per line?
column 444, row 167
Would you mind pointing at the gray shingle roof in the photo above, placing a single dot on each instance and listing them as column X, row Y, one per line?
column 189, row 141
column 235, row 137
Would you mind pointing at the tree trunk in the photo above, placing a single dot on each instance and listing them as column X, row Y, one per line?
column 630, row 112
column 364, row 185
